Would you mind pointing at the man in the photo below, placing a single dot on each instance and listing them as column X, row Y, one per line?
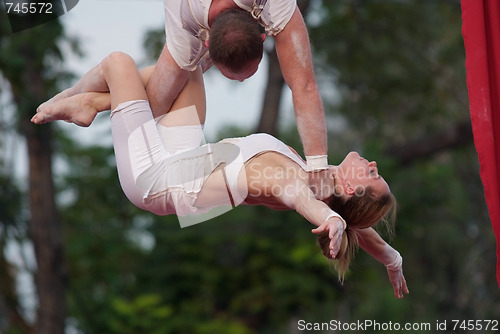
column 195, row 37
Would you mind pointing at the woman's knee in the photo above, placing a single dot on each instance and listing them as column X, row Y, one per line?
column 117, row 60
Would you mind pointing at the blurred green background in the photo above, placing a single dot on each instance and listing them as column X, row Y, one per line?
column 393, row 78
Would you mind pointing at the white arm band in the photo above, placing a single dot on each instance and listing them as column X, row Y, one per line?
column 316, row 162
column 396, row 264
column 334, row 214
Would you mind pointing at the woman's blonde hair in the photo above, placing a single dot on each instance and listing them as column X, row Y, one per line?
column 359, row 211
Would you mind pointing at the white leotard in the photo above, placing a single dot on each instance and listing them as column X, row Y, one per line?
column 163, row 173
column 249, row 147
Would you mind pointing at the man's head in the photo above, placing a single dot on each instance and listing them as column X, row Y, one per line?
column 236, row 44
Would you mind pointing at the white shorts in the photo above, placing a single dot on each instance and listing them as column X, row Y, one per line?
column 162, row 177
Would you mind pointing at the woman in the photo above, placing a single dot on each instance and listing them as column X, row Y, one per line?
column 163, row 169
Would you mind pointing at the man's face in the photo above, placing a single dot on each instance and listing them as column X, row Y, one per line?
column 246, row 73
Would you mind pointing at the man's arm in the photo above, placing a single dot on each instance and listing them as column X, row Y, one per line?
column 371, row 242
column 165, row 83
column 294, row 54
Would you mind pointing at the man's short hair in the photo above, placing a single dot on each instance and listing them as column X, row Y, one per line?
column 235, row 39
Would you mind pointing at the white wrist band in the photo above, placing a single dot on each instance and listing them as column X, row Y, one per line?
column 316, row 162
column 334, row 214
column 396, row 264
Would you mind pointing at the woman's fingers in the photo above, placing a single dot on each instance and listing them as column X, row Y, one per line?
column 335, row 242
column 334, row 233
column 320, row 229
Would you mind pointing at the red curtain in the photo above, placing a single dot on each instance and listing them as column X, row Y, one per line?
column 481, row 33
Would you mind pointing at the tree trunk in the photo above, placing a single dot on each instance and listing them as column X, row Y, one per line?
column 268, row 122
column 454, row 136
column 29, row 55
column 44, row 226
column 45, row 232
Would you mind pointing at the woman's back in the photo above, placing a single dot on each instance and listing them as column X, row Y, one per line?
column 274, row 180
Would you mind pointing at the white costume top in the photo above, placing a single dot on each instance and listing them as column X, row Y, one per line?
column 186, row 25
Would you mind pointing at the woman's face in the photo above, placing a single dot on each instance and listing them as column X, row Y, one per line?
column 358, row 173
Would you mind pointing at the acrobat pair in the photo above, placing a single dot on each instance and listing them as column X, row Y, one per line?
column 163, row 168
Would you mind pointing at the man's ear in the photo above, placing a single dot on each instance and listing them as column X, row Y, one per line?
column 263, row 36
column 206, row 43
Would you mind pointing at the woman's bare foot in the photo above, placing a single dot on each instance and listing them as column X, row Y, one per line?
column 78, row 109
column 64, row 94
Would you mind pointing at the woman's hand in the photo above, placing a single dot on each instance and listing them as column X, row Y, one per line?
column 335, row 227
column 398, row 282
column 395, row 272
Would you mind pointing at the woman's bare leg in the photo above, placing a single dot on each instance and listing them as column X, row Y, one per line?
column 121, row 75
column 81, row 103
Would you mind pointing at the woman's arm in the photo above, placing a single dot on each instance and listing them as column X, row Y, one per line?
column 297, row 195
column 371, row 242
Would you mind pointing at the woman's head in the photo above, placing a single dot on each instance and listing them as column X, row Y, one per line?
column 362, row 198
column 236, row 44
column 355, row 174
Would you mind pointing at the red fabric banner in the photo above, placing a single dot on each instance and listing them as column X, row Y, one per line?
column 481, row 33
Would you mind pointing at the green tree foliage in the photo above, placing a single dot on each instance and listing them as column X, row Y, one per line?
column 395, row 63
column 397, row 72
column 249, row 266
column 97, row 220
